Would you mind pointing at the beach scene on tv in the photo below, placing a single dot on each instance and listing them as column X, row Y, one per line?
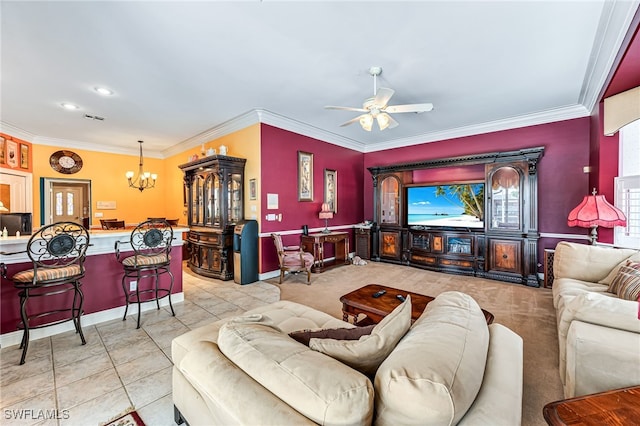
column 455, row 205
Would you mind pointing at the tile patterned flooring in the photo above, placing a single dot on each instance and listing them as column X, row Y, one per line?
column 119, row 367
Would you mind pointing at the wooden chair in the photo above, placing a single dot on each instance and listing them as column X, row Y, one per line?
column 173, row 222
column 103, row 222
column 292, row 259
column 115, row 224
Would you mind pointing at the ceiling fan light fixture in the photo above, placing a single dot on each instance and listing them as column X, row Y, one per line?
column 383, row 120
column 366, row 121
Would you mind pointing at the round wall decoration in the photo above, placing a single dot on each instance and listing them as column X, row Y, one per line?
column 67, row 162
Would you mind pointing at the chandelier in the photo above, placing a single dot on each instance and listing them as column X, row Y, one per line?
column 144, row 180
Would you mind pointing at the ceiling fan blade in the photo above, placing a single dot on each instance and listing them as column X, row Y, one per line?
column 346, row 108
column 392, row 123
column 383, row 96
column 353, row 120
column 409, row 108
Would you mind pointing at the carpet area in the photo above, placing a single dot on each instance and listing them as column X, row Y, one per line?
column 525, row 310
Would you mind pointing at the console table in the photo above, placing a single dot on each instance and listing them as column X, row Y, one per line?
column 314, row 243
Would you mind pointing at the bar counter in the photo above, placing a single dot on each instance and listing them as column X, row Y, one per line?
column 104, row 298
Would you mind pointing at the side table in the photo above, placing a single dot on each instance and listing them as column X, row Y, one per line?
column 615, row 407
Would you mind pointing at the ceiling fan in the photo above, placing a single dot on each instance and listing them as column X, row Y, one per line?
column 377, row 107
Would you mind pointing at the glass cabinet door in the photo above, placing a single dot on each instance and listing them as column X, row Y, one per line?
column 235, row 197
column 216, row 199
column 210, row 201
column 389, row 201
column 196, row 200
column 505, row 198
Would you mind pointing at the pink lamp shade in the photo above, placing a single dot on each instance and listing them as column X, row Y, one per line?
column 325, row 214
column 594, row 211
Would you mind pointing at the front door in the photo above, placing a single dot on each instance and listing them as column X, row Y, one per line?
column 67, row 204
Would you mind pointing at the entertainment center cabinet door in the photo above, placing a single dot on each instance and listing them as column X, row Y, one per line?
column 505, row 256
column 391, row 245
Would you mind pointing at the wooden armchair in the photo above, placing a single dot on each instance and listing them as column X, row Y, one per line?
column 292, row 259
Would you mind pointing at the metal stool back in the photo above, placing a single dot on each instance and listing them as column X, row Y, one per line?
column 57, row 253
column 151, row 245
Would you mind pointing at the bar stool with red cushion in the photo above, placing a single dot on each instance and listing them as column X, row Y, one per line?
column 57, row 253
column 151, row 245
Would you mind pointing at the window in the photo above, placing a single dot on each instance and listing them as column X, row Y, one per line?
column 627, row 196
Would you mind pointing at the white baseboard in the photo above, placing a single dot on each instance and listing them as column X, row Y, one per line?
column 14, row 338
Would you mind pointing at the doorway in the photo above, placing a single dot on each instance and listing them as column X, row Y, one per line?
column 66, row 200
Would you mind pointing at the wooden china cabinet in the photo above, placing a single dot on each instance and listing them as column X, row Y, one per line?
column 214, row 197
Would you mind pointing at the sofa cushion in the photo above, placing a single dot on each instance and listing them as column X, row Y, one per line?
column 626, row 284
column 586, row 262
column 367, row 353
column 319, row 387
column 435, row 372
column 304, row 336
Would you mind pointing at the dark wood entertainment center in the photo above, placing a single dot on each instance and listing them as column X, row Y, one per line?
column 505, row 248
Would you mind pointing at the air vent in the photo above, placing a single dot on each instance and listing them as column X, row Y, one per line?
column 93, row 117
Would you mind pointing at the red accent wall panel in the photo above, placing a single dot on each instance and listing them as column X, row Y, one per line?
column 279, row 175
column 101, row 285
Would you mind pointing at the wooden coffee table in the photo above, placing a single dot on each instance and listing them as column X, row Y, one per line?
column 361, row 301
column 615, row 407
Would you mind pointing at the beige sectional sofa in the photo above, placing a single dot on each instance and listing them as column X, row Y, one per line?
column 598, row 332
column 448, row 368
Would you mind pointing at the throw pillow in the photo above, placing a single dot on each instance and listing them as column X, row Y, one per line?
column 609, row 278
column 367, row 353
column 304, row 336
column 626, row 283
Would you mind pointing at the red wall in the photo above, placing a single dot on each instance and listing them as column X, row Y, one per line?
column 279, row 175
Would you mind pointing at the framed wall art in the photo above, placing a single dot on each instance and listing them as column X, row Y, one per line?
column 305, row 176
column 2, row 151
column 24, row 156
column 253, row 190
column 331, row 189
column 12, row 154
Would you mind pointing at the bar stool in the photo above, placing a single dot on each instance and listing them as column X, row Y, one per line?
column 57, row 253
column 151, row 245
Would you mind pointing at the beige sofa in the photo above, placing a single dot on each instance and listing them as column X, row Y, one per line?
column 598, row 332
column 449, row 368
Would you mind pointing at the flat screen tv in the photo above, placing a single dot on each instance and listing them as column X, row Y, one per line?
column 447, row 205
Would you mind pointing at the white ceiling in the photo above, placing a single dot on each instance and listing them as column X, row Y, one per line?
column 186, row 72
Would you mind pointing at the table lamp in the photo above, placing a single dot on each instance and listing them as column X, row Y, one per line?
column 594, row 211
column 326, row 214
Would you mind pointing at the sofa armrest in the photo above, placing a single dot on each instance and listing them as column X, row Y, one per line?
column 600, row 358
column 500, row 398
column 599, row 309
column 227, row 392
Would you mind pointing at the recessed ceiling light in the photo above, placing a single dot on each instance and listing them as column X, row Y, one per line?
column 103, row 91
column 69, row 106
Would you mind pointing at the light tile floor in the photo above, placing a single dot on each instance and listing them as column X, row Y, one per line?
column 119, row 367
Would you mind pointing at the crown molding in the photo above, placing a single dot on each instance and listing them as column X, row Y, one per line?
column 615, row 21
column 263, row 116
column 17, row 132
column 544, row 117
column 68, row 143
